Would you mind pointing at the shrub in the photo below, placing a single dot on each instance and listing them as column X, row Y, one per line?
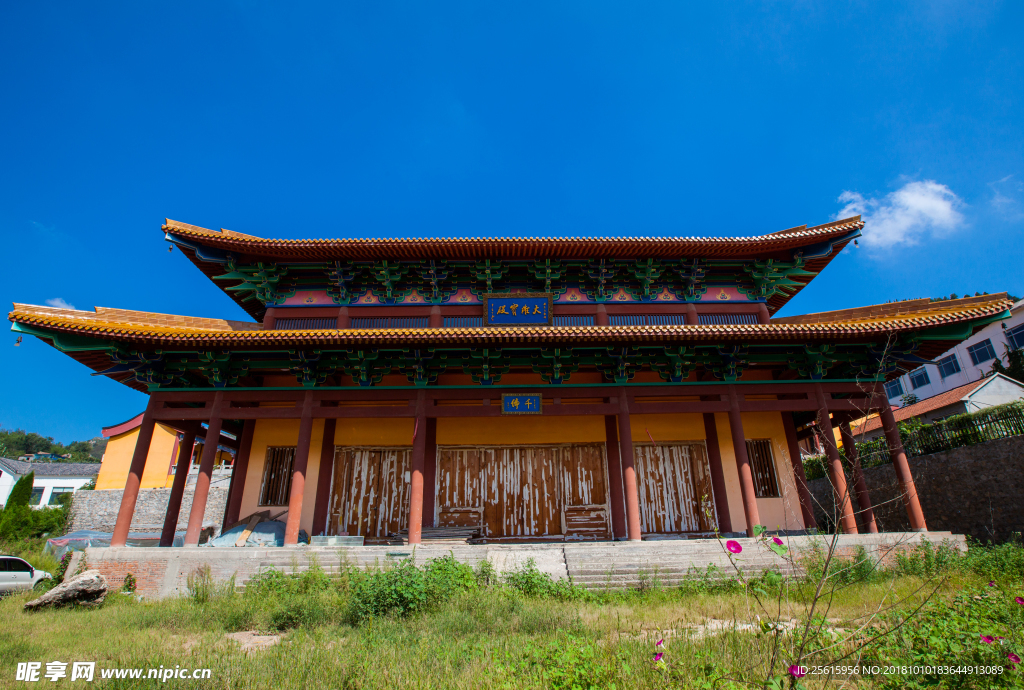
column 203, row 589
column 62, row 567
column 529, row 581
column 446, row 577
column 129, row 584
column 399, row 590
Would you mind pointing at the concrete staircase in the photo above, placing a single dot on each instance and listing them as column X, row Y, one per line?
column 599, row 565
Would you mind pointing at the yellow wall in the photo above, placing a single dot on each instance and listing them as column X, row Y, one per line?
column 518, row 430
column 117, row 459
column 281, row 432
column 774, row 513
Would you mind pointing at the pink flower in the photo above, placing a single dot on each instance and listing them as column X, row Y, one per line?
column 988, row 639
column 733, row 546
column 657, row 657
column 1014, row 659
column 797, row 671
column 1020, row 600
column 659, row 643
column 991, row 583
column 777, row 541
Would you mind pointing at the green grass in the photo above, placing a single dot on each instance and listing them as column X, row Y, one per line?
column 444, row 626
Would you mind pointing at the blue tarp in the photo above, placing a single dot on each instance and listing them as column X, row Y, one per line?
column 80, row 539
column 263, row 534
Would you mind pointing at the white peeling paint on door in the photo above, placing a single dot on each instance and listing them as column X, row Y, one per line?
column 674, row 484
column 370, row 492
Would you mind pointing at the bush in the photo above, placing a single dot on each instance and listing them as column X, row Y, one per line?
column 62, row 567
column 202, row 588
column 446, row 577
column 129, row 584
column 398, row 590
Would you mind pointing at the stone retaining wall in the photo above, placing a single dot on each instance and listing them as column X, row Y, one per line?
column 98, row 509
column 974, row 490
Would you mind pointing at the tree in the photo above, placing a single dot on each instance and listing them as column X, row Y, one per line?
column 21, row 494
column 1014, row 367
column 909, row 399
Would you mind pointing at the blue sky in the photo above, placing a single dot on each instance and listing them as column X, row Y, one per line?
column 458, row 119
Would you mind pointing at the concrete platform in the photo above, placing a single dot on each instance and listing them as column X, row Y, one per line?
column 162, row 572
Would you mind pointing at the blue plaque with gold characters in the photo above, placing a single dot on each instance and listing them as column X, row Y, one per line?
column 518, row 309
column 520, row 403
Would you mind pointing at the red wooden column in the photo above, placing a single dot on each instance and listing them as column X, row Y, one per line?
column 691, row 315
column 860, row 485
column 202, row 492
column 626, row 457
column 835, row 465
column 239, row 472
column 601, row 318
column 419, row 447
column 291, row 527
column 902, row 467
column 806, row 504
column 321, row 506
column 131, row 486
column 430, row 470
column 717, row 473
column 435, row 320
column 739, row 447
column 185, row 450
column 615, row 496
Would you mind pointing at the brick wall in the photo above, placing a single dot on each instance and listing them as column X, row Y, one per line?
column 975, row 490
column 98, row 509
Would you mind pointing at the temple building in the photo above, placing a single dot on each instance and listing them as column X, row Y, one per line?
column 523, row 388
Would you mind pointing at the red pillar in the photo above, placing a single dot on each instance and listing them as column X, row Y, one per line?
column 135, row 470
column 691, row 315
column 430, row 471
column 615, row 496
column 291, row 527
column 343, row 318
column 601, row 318
column 739, row 446
column 239, row 472
column 322, row 502
column 185, row 449
column 419, row 447
column 435, row 320
column 902, row 467
column 806, row 504
column 202, row 492
column 860, row 485
column 717, row 473
column 835, row 466
column 629, row 486
column 762, row 313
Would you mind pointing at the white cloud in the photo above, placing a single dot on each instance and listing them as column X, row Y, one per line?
column 59, row 303
column 906, row 216
column 1006, row 195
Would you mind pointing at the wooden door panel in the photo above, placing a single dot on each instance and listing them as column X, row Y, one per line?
column 370, row 495
column 673, row 481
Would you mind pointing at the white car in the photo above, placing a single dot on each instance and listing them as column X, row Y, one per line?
column 16, row 574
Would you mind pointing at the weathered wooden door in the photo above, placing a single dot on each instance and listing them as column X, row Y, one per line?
column 585, row 504
column 370, row 492
column 674, row 484
column 524, row 491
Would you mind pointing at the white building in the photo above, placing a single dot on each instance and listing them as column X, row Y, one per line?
column 969, row 361
column 51, row 479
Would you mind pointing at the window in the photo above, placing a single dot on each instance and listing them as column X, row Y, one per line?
column 919, row 378
column 574, row 320
column 1015, row 337
column 16, row 565
column 948, row 366
column 37, row 496
column 55, row 494
column 894, row 389
column 389, row 321
column 465, row 321
column 981, row 352
column 762, row 466
column 277, row 477
column 646, row 319
column 725, row 319
column 327, row 323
